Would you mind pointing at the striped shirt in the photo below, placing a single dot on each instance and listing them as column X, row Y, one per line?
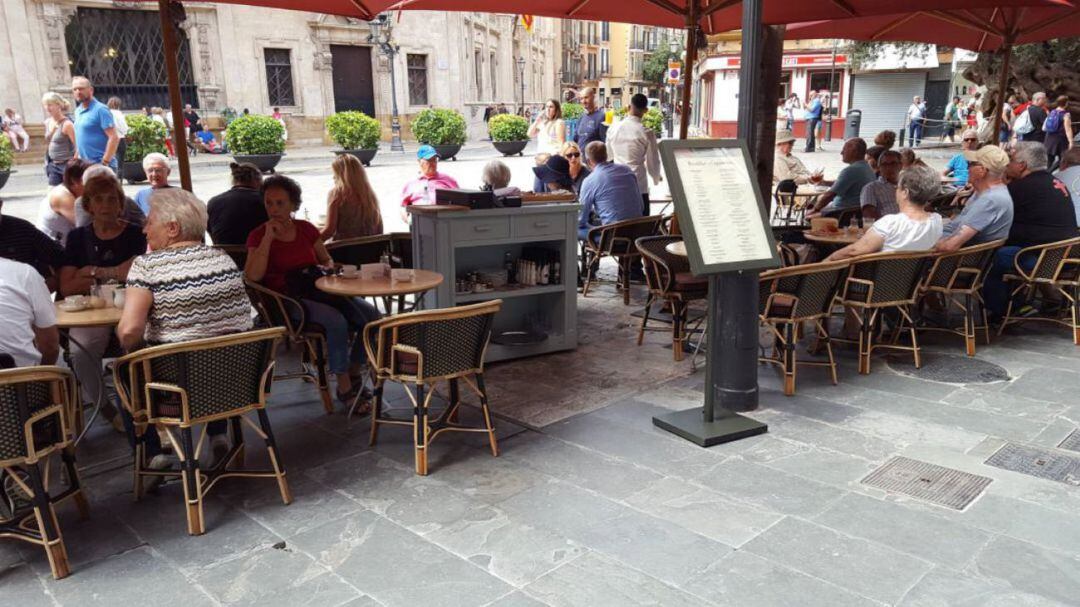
column 198, row 292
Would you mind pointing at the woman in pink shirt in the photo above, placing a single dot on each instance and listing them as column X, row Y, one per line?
column 421, row 189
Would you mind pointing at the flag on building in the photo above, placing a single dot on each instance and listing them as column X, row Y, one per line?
column 526, row 21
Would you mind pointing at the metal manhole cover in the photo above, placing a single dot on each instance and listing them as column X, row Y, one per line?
column 1040, row 463
column 1071, row 442
column 929, row 482
column 949, row 368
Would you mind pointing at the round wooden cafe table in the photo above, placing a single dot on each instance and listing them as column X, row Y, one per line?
column 383, row 286
column 90, row 317
column 841, row 238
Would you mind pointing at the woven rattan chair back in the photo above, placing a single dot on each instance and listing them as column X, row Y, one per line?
column 618, row 238
column 886, row 279
column 801, row 292
column 218, row 376
column 1058, row 262
column 962, row 270
column 401, row 252
column 40, row 396
column 237, row 252
column 358, row 251
column 661, row 266
column 431, row 345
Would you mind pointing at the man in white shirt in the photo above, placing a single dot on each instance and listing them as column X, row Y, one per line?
column 632, row 144
column 915, row 114
column 28, row 331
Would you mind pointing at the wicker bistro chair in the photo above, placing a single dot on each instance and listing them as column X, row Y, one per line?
column 669, row 279
column 357, row 251
column 1057, row 267
column 37, row 407
column 424, row 348
column 958, row 277
column 617, row 240
column 175, row 387
column 278, row 310
column 794, row 295
column 878, row 282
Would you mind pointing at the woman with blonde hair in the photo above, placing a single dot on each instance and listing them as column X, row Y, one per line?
column 60, row 137
column 578, row 171
column 352, row 210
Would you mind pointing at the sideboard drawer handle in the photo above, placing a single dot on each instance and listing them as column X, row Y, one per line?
column 482, row 228
column 541, row 224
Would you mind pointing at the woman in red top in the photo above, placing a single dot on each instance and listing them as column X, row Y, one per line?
column 282, row 245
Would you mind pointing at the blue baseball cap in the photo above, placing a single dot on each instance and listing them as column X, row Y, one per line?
column 426, row 152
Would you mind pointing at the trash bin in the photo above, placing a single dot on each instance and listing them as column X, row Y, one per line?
column 851, row 124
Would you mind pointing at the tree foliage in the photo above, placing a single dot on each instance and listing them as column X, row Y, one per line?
column 1046, row 66
column 654, row 70
column 6, row 153
column 863, row 54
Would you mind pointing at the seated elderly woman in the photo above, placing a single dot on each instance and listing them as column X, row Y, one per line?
column 129, row 212
column 93, row 254
column 913, row 228
column 282, row 254
column 496, row 178
column 182, row 290
column 156, row 167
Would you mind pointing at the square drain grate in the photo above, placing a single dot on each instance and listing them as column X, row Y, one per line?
column 929, row 482
column 1040, row 463
column 1071, row 442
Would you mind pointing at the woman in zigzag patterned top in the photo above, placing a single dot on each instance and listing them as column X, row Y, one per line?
column 181, row 290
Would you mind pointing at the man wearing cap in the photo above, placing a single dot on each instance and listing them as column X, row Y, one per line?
column 554, row 174
column 988, row 214
column 785, row 165
column 958, row 166
column 630, row 143
column 421, row 189
column 590, row 126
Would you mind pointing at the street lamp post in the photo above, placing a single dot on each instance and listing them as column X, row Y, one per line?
column 521, row 77
column 381, row 32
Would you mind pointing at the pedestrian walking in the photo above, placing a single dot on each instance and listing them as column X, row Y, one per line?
column 952, row 119
column 1036, row 116
column 590, row 126
column 634, row 145
column 95, row 131
column 15, row 130
column 59, row 137
column 813, row 119
column 549, row 129
column 790, row 105
column 1059, row 131
column 121, row 128
column 915, row 114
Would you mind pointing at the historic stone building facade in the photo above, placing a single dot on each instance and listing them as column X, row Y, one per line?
column 308, row 64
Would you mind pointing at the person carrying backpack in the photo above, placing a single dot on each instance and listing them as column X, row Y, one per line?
column 1058, row 130
column 1032, row 118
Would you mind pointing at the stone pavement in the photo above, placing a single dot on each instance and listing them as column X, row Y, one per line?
column 601, row 508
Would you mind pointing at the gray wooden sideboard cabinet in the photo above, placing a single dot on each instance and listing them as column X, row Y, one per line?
column 456, row 243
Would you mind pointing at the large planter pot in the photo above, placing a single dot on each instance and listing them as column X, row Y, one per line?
column 133, row 172
column 4, row 177
column 448, row 152
column 363, row 156
column 265, row 162
column 509, row 148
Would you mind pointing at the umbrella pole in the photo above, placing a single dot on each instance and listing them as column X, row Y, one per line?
column 1003, row 82
column 688, row 68
column 168, row 39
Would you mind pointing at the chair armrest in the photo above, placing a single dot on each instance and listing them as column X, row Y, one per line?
column 283, row 304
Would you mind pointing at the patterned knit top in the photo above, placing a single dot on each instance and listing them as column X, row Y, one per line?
column 198, row 292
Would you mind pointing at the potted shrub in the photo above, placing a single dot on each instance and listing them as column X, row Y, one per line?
column 7, row 156
column 654, row 119
column 444, row 130
column 509, row 133
column 259, row 140
column 144, row 136
column 571, row 112
column 356, row 133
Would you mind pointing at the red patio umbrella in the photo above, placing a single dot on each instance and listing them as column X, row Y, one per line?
column 985, row 29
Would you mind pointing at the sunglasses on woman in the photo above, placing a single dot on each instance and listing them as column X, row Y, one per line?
column 573, row 155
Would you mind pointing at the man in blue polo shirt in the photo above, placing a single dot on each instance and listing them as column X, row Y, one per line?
column 590, row 126
column 95, row 134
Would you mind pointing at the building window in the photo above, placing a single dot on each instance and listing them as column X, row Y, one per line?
column 605, row 65
column 478, row 70
column 591, row 71
column 605, row 31
column 819, row 81
column 417, row 66
column 279, row 82
column 493, row 67
column 785, row 85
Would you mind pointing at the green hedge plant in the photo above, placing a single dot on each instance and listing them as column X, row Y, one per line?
column 144, row 136
column 571, row 111
column 508, row 127
column 255, row 135
column 7, row 155
column 439, row 127
column 654, row 119
column 354, row 130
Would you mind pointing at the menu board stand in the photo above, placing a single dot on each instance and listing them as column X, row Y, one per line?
column 727, row 237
